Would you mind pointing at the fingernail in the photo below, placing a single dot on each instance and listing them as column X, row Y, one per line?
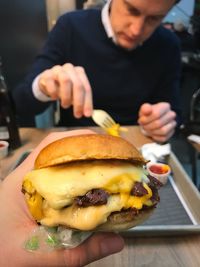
column 88, row 113
column 78, row 115
column 65, row 106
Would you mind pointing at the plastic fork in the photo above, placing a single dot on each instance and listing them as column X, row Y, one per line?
column 105, row 121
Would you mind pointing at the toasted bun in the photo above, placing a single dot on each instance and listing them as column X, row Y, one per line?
column 125, row 220
column 87, row 147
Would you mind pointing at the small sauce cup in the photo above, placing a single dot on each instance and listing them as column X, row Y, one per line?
column 160, row 171
column 3, row 149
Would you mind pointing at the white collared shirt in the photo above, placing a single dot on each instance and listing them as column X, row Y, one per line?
column 106, row 21
column 38, row 94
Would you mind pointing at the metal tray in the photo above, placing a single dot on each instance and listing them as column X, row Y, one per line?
column 172, row 215
column 177, row 213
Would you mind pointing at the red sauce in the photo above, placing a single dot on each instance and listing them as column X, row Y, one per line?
column 159, row 169
column 2, row 145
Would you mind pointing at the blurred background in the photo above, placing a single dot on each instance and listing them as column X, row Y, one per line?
column 24, row 26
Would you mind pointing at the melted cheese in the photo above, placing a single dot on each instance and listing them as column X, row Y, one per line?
column 82, row 218
column 136, row 202
column 89, row 218
column 114, row 130
column 60, row 185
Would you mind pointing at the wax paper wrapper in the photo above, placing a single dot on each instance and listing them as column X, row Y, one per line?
column 46, row 239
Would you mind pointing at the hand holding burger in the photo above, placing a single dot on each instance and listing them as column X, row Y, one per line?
column 17, row 223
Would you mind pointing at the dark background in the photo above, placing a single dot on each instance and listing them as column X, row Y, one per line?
column 23, row 30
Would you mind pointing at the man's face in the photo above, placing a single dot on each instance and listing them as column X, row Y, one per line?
column 133, row 21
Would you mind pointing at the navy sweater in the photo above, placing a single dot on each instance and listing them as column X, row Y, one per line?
column 121, row 80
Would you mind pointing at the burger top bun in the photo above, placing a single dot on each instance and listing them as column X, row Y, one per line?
column 87, row 147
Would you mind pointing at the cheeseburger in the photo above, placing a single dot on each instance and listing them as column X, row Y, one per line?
column 90, row 182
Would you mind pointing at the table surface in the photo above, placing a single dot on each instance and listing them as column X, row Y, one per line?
column 180, row 251
column 195, row 146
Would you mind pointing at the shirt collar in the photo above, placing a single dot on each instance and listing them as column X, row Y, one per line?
column 106, row 21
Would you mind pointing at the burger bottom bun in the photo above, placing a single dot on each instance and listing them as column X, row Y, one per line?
column 124, row 220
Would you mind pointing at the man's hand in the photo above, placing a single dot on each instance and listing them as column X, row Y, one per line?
column 70, row 85
column 157, row 121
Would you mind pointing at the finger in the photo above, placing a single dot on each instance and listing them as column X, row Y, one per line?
column 163, row 138
column 57, row 71
column 88, row 104
column 164, row 133
column 65, row 89
column 78, row 90
column 162, row 121
column 98, row 246
column 48, row 83
column 158, row 110
column 88, row 101
column 145, row 109
column 51, row 88
column 95, row 248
